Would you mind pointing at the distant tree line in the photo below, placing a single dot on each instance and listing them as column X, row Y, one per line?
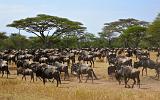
column 56, row 32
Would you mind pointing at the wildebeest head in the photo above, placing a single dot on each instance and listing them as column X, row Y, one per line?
column 137, row 64
column 74, row 67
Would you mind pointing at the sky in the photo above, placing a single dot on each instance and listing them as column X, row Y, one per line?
column 92, row 13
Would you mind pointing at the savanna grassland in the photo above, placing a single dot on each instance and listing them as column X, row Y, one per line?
column 103, row 89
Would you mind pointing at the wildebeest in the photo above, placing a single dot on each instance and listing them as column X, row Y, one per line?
column 80, row 69
column 11, row 58
column 48, row 72
column 25, row 72
column 127, row 72
column 4, row 67
column 145, row 62
column 140, row 53
column 62, row 68
column 87, row 58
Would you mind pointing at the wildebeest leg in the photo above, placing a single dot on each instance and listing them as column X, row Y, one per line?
column 66, row 75
column 138, row 80
column 87, row 78
column 128, row 80
column 32, row 77
column 7, row 72
column 125, row 79
column 136, row 56
column 119, row 81
column 90, row 72
column 44, row 81
column 133, row 82
column 37, row 77
column 59, row 79
column 79, row 78
column 142, row 71
column 40, row 79
column 53, row 80
column 25, row 77
column 22, row 77
column 94, row 75
column 2, row 73
column 57, row 82
column 91, row 63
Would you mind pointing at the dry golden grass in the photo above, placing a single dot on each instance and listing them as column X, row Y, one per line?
column 103, row 89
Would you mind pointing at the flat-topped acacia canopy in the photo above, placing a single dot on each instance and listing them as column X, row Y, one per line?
column 44, row 26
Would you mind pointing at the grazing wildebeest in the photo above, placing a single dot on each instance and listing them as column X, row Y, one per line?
column 87, row 58
column 4, row 67
column 62, row 68
column 145, row 62
column 48, row 72
column 127, row 72
column 140, row 53
column 34, row 66
column 25, row 72
column 80, row 69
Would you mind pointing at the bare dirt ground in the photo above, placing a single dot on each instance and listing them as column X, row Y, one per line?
column 103, row 89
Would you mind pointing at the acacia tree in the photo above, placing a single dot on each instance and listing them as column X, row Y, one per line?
column 45, row 26
column 2, row 38
column 133, row 35
column 153, row 32
column 117, row 28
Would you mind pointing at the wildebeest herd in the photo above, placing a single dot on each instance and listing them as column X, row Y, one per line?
column 48, row 64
